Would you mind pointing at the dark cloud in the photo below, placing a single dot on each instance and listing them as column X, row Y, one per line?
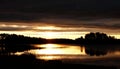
column 74, row 14
column 107, row 23
column 13, row 29
column 65, row 24
column 70, row 7
column 60, row 4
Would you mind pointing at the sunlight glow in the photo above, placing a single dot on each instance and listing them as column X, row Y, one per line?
column 52, row 30
column 49, row 35
column 52, row 35
column 68, row 35
column 48, row 28
column 48, row 45
column 116, row 36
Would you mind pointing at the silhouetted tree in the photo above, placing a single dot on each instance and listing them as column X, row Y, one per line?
column 3, row 36
column 90, row 36
column 97, row 38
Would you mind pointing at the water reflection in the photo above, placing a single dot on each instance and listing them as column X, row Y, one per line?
column 49, row 57
column 48, row 45
column 62, row 51
column 103, row 50
column 57, row 49
column 94, row 52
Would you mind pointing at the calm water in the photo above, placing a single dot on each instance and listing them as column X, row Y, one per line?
column 72, row 52
column 99, row 55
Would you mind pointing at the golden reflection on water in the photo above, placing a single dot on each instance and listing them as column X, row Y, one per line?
column 116, row 53
column 62, row 51
column 48, row 57
column 18, row 53
column 57, row 49
column 54, row 51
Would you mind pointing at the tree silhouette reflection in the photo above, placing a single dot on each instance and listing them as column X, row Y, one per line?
column 95, row 52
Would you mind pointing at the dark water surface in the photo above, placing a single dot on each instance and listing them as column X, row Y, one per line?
column 108, row 55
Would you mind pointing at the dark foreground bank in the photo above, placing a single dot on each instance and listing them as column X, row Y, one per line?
column 29, row 61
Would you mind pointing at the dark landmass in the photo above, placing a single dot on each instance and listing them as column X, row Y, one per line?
column 11, row 43
column 29, row 61
column 95, row 43
column 91, row 38
column 97, row 38
column 17, row 43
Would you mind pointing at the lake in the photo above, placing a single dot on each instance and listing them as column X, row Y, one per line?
column 99, row 55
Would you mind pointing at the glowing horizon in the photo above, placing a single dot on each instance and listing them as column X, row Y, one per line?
column 54, row 35
column 53, row 31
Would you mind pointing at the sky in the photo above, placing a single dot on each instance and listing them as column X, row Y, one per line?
column 60, row 18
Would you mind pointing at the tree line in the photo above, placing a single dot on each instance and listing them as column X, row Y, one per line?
column 90, row 38
column 97, row 38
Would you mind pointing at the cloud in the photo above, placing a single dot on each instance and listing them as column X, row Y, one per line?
column 64, row 25
column 32, row 10
column 28, row 21
column 66, row 16
column 14, row 27
column 106, row 23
